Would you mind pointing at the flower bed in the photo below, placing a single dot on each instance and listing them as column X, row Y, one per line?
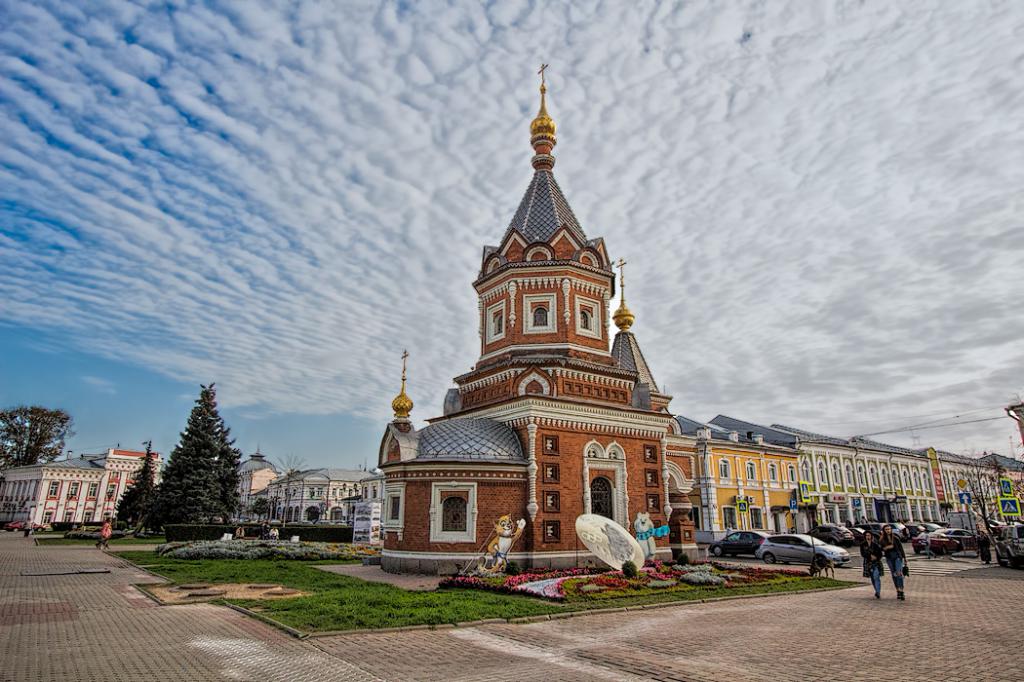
column 584, row 584
column 264, row 549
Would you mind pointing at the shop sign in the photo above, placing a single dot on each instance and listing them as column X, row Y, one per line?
column 940, row 489
column 837, row 499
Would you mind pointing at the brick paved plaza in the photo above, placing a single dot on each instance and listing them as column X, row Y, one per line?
column 960, row 625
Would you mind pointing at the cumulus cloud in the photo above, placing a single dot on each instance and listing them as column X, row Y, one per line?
column 821, row 201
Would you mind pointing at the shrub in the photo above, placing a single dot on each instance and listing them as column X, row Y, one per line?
column 259, row 549
column 512, row 568
column 92, row 535
column 65, row 526
column 181, row 532
column 629, row 569
column 702, row 578
column 683, row 559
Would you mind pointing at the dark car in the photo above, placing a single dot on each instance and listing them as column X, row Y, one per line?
column 832, row 534
column 1010, row 546
column 898, row 529
column 946, row 541
column 914, row 530
column 858, row 534
column 738, row 542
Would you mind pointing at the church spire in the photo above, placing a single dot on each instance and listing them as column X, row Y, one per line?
column 623, row 317
column 542, row 130
column 402, row 404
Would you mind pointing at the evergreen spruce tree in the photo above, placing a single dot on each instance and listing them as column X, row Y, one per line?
column 190, row 490
column 138, row 498
column 228, row 460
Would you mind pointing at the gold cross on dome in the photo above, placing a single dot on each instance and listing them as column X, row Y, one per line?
column 621, row 265
column 541, row 72
column 405, row 356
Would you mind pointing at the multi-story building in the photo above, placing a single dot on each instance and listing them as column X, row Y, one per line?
column 82, row 489
column 743, row 481
column 851, row 480
column 978, row 472
column 314, row 493
column 254, row 475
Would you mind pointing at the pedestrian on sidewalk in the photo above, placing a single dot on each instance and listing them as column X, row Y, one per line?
column 927, row 537
column 892, row 549
column 105, row 532
column 985, row 547
column 871, row 552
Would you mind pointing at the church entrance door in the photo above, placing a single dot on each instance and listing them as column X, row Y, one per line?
column 601, row 497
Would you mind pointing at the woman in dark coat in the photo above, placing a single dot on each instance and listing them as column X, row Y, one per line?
column 892, row 550
column 871, row 552
column 985, row 547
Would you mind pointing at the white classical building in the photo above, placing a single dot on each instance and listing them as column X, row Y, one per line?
column 83, row 489
column 295, row 497
column 254, row 475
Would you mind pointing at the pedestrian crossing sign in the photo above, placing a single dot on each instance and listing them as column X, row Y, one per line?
column 1005, row 487
column 805, row 492
column 741, row 505
column 1009, row 506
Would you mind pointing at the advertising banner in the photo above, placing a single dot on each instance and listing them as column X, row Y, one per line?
column 366, row 523
column 940, row 489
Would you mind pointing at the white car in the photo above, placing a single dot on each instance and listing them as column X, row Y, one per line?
column 798, row 549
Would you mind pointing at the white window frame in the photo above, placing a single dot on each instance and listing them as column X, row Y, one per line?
column 392, row 490
column 751, row 466
column 791, row 469
column 773, row 473
column 438, row 535
column 50, row 488
column 728, row 469
column 595, row 332
column 735, row 515
column 489, row 333
column 549, row 300
column 760, row 511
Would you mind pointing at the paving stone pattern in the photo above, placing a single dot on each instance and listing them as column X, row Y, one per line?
column 955, row 625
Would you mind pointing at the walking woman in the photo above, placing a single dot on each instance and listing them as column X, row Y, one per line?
column 871, row 551
column 892, row 549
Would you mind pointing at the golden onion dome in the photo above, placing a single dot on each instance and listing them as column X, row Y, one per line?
column 542, row 125
column 623, row 317
column 402, row 404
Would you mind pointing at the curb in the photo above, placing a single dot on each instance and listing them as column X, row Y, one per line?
column 297, row 634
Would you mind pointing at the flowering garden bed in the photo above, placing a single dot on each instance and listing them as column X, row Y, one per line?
column 577, row 585
column 265, row 549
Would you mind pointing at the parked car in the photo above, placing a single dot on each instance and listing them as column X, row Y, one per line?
column 1010, row 546
column 876, row 528
column 832, row 534
column 932, row 527
column 739, row 542
column 946, row 541
column 20, row 525
column 798, row 548
column 914, row 529
column 858, row 534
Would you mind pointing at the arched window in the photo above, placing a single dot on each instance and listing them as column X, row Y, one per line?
column 917, row 480
column 792, row 472
column 805, row 468
column 773, row 472
column 885, row 478
column 453, row 514
column 906, row 480
column 874, row 477
column 822, row 474
column 723, row 468
column 585, row 320
column 751, row 471
column 601, row 497
column 837, row 476
column 849, row 475
column 895, row 477
column 860, row 475
column 540, row 316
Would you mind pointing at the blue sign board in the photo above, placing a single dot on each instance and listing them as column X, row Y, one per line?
column 965, row 498
column 792, row 505
column 1009, row 506
column 856, row 502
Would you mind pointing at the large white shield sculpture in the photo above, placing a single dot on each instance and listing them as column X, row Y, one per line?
column 610, row 542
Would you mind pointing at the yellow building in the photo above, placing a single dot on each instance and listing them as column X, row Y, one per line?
column 743, row 482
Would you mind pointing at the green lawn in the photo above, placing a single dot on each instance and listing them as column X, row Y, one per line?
column 153, row 540
column 339, row 602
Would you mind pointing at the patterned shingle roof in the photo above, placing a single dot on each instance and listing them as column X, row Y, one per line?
column 469, row 439
column 626, row 351
column 544, row 210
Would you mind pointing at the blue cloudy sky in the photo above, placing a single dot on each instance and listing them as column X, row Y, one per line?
column 821, row 202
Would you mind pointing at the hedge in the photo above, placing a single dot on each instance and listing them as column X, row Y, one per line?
column 65, row 526
column 180, row 532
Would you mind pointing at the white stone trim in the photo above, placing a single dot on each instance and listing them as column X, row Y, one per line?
column 438, row 535
column 551, row 301
column 531, row 471
column 596, row 322
column 549, row 253
column 394, row 489
column 534, row 375
column 489, row 334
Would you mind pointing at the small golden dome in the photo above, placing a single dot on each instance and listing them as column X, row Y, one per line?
column 402, row 404
column 543, row 125
column 623, row 317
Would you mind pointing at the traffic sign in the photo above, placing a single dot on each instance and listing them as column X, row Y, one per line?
column 1009, row 506
column 805, row 492
column 792, row 505
column 741, row 506
column 962, row 484
column 965, row 498
column 1005, row 487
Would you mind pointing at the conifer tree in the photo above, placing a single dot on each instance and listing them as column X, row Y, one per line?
column 190, row 491
column 138, row 498
column 228, row 460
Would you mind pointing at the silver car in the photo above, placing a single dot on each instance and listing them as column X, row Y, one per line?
column 798, row 549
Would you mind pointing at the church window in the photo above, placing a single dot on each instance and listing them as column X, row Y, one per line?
column 551, row 473
column 650, row 453
column 601, row 497
column 552, row 501
column 653, row 502
column 540, row 316
column 586, row 319
column 550, row 445
column 395, row 508
column 497, row 323
column 552, row 531
column 453, row 515
column 651, row 477
column 494, row 322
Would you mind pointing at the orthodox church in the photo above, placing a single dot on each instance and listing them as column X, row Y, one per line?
column 556, row 419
